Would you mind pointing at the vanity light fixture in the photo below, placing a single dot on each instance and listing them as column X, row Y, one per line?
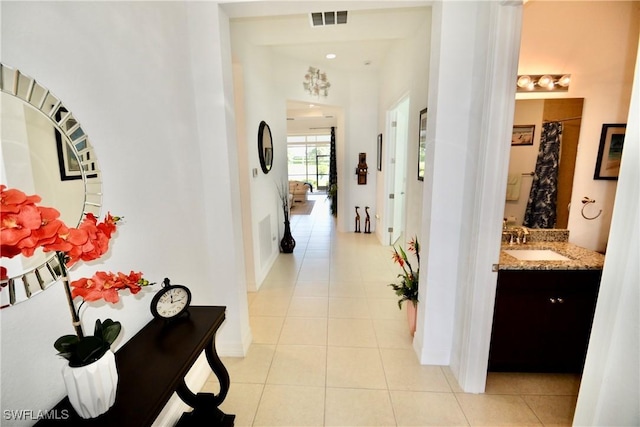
column 543, row 82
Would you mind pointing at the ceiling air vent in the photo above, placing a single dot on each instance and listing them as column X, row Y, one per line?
column 320, row 19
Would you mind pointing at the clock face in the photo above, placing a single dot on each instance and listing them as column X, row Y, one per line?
column 172, row 302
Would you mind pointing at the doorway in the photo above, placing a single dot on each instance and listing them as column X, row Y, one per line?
column 397, row 135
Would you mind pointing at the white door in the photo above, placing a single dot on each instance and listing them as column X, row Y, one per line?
column 398, row 141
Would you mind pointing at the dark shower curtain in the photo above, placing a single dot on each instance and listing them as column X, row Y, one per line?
column 541, row 207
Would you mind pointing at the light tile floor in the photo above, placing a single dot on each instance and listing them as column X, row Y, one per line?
column 331, row 348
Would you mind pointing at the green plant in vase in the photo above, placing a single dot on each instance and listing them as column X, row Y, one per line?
column 407, row 290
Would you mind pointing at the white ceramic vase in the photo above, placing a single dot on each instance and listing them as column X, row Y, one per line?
column 92, row 388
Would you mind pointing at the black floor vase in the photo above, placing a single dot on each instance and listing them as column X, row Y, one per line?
column 288, row 242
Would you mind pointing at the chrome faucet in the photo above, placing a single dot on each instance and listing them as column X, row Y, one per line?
column 515, row 235
column 522, row 235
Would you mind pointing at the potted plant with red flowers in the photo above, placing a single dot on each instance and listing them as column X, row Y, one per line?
column 91, row 375
column 407, row 290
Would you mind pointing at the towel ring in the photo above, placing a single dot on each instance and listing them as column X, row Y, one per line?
column 587, row 201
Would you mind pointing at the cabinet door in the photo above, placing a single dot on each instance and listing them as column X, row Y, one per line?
column 572, row 311
column 521, row 319
column 542, row 320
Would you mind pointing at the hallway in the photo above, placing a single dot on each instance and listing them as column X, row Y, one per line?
column 330, row 347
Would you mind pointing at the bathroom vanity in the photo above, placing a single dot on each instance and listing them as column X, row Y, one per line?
column 544, row 307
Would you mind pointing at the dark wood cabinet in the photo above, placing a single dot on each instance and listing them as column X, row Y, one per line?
column 542, row 320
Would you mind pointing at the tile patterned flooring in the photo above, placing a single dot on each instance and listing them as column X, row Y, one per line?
column 331, row 348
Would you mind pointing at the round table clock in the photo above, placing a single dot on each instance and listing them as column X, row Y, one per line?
column 172, row 301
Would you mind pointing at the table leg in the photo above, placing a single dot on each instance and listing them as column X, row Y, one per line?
column 205, row 405
column 219, row 369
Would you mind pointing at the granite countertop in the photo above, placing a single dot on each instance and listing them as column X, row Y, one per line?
column 581, row 258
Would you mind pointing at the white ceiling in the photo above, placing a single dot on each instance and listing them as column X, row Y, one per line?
column 360, row 44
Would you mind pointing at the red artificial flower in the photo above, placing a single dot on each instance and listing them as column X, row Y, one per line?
column 17, row 228
column 11, row 199
column 398, row 258
column 108, row 226
column 105, row 285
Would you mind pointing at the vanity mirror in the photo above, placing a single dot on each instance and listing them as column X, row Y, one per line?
column 265, row 147
column 523, row 158
column 45, row 151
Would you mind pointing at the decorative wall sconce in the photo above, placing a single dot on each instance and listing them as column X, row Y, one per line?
column 362, row 169
column 316, row 83
column 543, row 82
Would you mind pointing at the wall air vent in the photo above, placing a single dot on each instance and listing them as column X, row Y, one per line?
column 320, row 19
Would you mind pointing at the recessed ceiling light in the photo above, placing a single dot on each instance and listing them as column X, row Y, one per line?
column 330, row 55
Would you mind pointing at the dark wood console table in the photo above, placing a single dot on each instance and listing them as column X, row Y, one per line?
column 152, row 365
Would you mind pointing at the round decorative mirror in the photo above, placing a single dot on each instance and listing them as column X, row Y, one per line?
column 46, row 152
column 265, row 147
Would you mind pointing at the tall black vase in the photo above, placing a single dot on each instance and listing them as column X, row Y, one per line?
column 288, row 242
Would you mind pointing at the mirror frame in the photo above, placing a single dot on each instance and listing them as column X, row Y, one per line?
column 29, row 91
column 266, row 157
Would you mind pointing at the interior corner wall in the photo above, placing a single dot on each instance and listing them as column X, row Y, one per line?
column 261, row 101
column 405, row 71
column 559, row 37
column 474, row 51
column 132, row 88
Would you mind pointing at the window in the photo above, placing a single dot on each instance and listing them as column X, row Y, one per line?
column 308, row 159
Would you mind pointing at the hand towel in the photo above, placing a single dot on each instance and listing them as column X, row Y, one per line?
column 513, row 186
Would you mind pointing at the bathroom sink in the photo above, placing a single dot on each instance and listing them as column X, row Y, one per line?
column 536, row 255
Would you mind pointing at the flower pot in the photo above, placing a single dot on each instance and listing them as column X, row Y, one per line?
column 92, row 388
column 288, row 243
column 412, row 311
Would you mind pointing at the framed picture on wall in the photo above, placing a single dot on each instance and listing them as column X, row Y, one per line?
column 72, row 162
column 68, row 162
column 522, row 134
column 610, row 151
column 422, row 144
column 380, row 152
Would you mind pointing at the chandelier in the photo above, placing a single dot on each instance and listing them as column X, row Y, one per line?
column 316, row 83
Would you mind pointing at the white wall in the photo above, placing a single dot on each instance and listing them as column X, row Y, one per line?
column 405, row 72
column 610, row 391
column 361, row 137
column 595, row 42
column 158, row 126
column 474, row 52
column 260, row 100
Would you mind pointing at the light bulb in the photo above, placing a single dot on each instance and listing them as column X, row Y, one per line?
column 524, row 81
column 565, row 80
column 331, row 56
column 545, row 81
